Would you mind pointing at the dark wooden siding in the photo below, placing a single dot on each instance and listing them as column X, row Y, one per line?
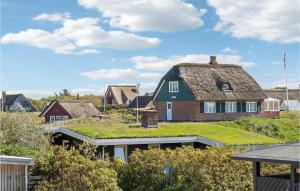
column 184, row 93
column 56, row 110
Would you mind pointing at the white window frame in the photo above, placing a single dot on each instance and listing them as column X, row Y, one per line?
column 58, row 118
column 230, row 107
column 173, row 86
column 250, row 108
column 209, row 107
column 52, row 119
column 124, row 158
column 64, row 143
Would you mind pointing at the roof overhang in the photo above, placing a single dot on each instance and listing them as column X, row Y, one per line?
column 284, row 154
column 133, row 141
column 4, row 159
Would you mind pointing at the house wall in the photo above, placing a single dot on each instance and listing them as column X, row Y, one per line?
column 184, row 93
column 56, row 110
column 12, row 177
column 190, row 111
column 21, row 104
column 109, row 97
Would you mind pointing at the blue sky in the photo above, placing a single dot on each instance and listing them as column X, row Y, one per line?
column 85, row 45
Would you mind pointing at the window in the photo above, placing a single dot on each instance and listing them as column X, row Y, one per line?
column 65, row 117
column 52, row 119
column 65, row 143
column 120, row 153
column 58, row 118
column 173, row 86
column 230, row 106
column 251, row 106
column 225, row 87
column 209, row 107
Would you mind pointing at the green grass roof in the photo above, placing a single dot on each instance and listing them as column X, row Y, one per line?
column 212, row 131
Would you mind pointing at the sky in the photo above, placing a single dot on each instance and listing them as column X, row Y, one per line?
column 85, row 45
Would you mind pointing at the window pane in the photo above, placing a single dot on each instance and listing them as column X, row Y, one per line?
column 119, row 153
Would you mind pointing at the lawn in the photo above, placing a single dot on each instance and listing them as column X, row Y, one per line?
column 227, row 135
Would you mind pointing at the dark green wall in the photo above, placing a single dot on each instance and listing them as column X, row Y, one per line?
column 184, row 93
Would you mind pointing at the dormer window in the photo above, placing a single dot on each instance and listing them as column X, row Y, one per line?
column 226, row 87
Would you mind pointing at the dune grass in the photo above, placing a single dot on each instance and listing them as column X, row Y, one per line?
column 286, row 128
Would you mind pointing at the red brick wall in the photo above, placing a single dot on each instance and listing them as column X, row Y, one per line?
column 56, row 110
column 190, row 111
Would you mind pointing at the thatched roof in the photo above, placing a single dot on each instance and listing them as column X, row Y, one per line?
column 143, row 101
column 76, row 109
column 206, row 81
column 122, row 93
column 294, row 94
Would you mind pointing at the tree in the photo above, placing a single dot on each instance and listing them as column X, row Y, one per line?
column 65, row 92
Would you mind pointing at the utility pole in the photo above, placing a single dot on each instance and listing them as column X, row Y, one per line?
column 137, row 102
column 104, row 100
column 286, row 84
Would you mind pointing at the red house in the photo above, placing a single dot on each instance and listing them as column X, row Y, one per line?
column 59, row 111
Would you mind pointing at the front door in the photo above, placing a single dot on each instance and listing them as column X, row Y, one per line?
column 169, row 111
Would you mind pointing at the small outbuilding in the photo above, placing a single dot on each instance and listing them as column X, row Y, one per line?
column 13, row 173
column 149, row 118
column 283, row 154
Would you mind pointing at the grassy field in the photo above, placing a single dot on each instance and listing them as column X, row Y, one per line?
column 227, row 135
column 248, row 130
column 286, row 128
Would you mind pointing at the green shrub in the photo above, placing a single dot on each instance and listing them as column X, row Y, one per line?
column 193, row 169
column 69, row 170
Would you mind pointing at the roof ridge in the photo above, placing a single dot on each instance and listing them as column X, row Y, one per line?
column 207, row 65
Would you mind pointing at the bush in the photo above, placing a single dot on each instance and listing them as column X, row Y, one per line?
column 72, row 171
column 193, row 169
column 21, row 129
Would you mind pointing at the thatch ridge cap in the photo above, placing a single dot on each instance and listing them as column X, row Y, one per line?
column 206, row 65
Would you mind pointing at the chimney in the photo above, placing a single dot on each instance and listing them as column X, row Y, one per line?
column 3, row 100
column 213, row 60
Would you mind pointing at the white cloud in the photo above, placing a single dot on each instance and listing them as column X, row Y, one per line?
column 78, row 34
column 120, row 74
column 88, row 51
column 292, row 83
column 229, row 50
column 56, row 17
column 148, row 15
column 275, row 20
column 276, row 62
column 156, row 63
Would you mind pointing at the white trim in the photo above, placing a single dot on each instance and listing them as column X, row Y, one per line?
column 248, row 109
column 26, row 179
column 49, row 107
column 230, row 107
column 158, row 90
column 64, row 142
column 51, row 118
column 206, row 110
column 172, row 85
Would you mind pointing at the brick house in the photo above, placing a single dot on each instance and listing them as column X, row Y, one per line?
column 65, row 110
column 120, row 94
column 207, row 92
